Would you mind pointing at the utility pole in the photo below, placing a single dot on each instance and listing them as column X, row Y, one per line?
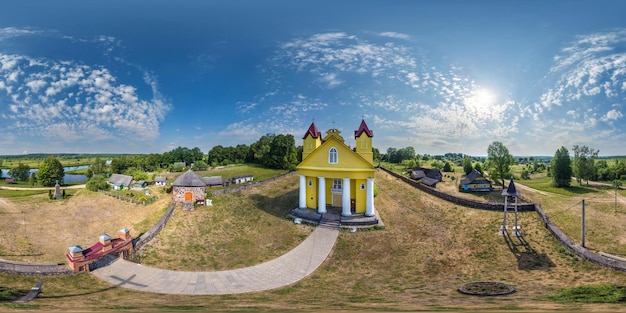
column 583, row 225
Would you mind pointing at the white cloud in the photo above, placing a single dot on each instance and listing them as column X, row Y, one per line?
column 612, row 115
column 394, row 35
column 10, row 32
column 77, row 101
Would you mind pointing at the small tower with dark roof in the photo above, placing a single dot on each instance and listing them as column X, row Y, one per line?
column 511, row 194
column 312, row 139
column 363, row 137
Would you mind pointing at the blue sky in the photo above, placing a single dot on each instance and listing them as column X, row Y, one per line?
column 441, row 76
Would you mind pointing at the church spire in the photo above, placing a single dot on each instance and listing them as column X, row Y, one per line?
column 363, row 137
column 311, row 140
column 363, row 129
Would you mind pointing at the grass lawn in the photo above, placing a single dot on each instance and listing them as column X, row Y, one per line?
column 36, row 229
column 429, row 248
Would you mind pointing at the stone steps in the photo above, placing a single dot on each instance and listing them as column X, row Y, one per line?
column 329, row 222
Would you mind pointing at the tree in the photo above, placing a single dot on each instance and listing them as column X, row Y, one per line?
column 467, row 165
column 282, row 153
column 20, row 172
column 261, row 148
column 584, row 158
column 561, row 168
column 199, row 166
column 447, row 167
column 97, row 182
column 50, row 171
column 479, row 168
column 499, row 161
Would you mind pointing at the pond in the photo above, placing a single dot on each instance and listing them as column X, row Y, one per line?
column 69, row 178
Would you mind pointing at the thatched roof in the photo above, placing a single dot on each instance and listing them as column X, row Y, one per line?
column 120, row 180
column 429, row 181
column 189, row 179
column 213, row 181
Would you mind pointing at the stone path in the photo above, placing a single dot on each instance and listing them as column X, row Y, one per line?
column 282, row 271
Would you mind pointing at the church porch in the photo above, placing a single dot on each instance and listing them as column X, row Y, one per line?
column 334, row 218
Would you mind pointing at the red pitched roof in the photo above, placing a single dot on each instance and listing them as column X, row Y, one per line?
column 363, row 129
column 95, row 251
column 312, row 131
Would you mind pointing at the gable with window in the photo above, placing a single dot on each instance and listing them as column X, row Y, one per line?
column 333, row 158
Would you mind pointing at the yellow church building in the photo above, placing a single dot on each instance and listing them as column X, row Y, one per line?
column 333, row 175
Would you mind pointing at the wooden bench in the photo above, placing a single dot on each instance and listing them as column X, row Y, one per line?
column 32, row 294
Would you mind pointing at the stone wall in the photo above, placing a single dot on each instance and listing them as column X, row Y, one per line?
column 248, row 186
column 34, row 269
column 459, row 200
column 154, row 230
column 553, row 229
column 576, row 248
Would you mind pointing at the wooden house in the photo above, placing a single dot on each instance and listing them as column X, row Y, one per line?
column 475, row 181
column 241, row 179
column 140, row 184
column 427, row 176
column 160, row 181
column 212, row 181
column 119, row 181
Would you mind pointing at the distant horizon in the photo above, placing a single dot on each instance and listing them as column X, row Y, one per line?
column 148, row 76
column 382, row 152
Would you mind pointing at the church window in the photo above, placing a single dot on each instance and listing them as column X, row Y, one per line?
column 332, row 156
column 362, row 186
column 337, row 185
column 310, row 182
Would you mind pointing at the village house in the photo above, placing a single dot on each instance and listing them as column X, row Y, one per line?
column 160, row 181
column 427, row 176
column 86, row 260
column 119, row 181
column 475, row 181
column 213, row 181
column 241, row 179
column 332, row 175
column 140, row 184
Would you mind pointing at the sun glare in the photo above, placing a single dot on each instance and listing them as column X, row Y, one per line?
column 480, row 100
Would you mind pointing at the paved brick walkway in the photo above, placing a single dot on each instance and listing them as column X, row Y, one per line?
column 282, row 271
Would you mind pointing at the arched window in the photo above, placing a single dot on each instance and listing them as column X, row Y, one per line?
column 332, row 156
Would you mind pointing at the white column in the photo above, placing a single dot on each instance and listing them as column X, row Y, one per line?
column 321, row 195
column 302, row 202
column 345, row 198
column 369, row 198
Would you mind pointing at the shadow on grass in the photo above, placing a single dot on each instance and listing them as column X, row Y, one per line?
column 527, row 257
column 279, row 205
column 581, row 190
column 122, row 282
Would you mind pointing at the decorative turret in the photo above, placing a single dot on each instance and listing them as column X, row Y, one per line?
column 312, row 140
column 363, row 137
column 76, row 252
column 125, row 234
column 105, row 240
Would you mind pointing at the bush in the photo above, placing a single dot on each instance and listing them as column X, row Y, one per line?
column 97, row 182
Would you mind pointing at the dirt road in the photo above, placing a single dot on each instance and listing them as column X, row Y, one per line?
column 42, row 188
